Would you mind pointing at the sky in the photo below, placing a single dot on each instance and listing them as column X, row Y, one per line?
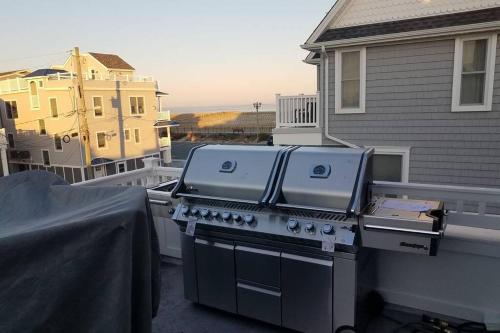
column 202, row 52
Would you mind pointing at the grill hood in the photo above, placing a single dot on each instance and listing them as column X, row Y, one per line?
column 316, row 178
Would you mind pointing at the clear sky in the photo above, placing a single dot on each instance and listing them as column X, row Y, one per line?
column 203, row 52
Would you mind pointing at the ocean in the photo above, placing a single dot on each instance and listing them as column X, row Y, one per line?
column 221, row 108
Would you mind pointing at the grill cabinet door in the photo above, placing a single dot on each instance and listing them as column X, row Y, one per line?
column 306, row 293
column 215, row 274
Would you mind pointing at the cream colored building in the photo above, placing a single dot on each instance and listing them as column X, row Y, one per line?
column 40, row 114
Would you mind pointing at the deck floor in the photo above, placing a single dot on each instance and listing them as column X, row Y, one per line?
column 177, row 315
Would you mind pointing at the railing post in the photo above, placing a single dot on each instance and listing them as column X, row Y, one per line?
column 318, row 110
column 151, row 164
column 278, row 111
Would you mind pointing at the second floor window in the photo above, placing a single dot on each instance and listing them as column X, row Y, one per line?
column 350, row 78
column 126, row 134
column 101, row 140
column 45, row 157
column 10, row 140
column 98, row 106
column 137, row 135
column 41, row 127
column 53, row 107
column 58, row 142
column 11, row 109
column 137, row 105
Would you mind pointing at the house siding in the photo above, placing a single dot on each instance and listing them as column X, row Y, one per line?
column 408, row 104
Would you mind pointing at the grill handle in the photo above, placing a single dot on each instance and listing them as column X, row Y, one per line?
column 432, row 234
column 160, row 202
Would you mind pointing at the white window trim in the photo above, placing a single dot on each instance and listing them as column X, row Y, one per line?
column 140, row 138
column 338, row 81
column 400, row 151
column 50, row 109
column 489, row 79
column 118, row 168
column 130, row 106
column 129, row 135
column 40, row 129
column 43, row 161
column 105, row 140
column 62, row 146
column 5, row 106
column 102, row 106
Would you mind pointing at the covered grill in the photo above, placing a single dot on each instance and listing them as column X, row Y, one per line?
column 272, row 233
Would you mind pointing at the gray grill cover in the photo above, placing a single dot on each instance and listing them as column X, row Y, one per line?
column 236, row 172
column 322, row 177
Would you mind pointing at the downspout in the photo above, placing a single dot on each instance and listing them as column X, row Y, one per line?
column 325, row 100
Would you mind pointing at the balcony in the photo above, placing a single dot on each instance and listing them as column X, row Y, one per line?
column 13, row 85
column 102, row 77
column 297, row 111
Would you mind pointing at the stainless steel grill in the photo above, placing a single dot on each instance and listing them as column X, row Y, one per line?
column 272, row 233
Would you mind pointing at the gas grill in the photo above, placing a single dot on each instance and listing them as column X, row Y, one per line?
column 271, row 233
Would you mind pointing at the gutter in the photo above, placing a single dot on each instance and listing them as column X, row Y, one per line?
column 324, row 58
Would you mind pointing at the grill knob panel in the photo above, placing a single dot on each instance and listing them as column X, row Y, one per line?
column 204, row 213
column 328, row 229
column 185, row 210
column 237, row 218
column 226, row 216
column 293, row 225
column 215, row 214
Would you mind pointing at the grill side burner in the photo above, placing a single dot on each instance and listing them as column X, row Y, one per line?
column 276, row 232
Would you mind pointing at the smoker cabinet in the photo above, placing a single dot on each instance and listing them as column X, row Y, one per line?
column 216, row 273
column 412, row 226
column 307, row 292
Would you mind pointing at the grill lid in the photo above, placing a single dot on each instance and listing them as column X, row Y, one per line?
column 323, row 178
column 230, row 172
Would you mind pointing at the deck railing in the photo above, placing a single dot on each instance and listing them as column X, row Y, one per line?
column 297, row 111
column 13, row 85
column 102, row 77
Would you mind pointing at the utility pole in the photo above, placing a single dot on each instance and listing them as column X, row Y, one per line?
column 82, row 113
column 257, row 106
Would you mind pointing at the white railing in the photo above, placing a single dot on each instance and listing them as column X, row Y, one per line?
column 102, row 77
column 13, row 85
column 297, row 111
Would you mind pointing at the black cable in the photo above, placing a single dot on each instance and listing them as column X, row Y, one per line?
column 346, row 329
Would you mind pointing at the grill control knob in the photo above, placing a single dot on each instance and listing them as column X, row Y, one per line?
column 185, row 210
column 309, row 227
column 328, row 229
column 226, row 216
column 237, row 218
column 293, row 225
column 249, row 219
column 194, row 211
column 204, row 213
column 215, row 214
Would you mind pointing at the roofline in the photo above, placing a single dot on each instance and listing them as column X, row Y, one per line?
column 405, row 36
column 336, row 9
column 310, row 60
column 113, row 69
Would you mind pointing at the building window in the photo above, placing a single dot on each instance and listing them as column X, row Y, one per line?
column 41, row 127
column 122, row 167
column 391, row 164
column 163, row 132
column 137, row 105
column 126, row 134
column 137, row 135
column 11, row 109
column 474, row 72
column 350, row 80
column 10, row 140
column 58, row 142
column 45, row 157
column 53, row 107
column 97, row 106
column 101, row 140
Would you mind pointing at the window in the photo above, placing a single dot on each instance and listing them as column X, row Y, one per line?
column 122, row 167
column 101, row 140
column 163, row 132
column 45, row 157
column 391, row 164
column 474, row 72
column 137, row 105
column 126, row 134
column 350, row 80
column 41, row 126
column 10, row 140
column 97, row 106
column 58, row 142
column 11, row 109
column 137, row 135
column 53, row 107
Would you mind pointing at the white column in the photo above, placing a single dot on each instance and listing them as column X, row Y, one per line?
column 150, row 164
column 3, row 158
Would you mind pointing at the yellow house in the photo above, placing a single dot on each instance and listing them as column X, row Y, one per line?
column 39, row 111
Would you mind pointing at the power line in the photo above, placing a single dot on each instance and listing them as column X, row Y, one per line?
column 34, row 56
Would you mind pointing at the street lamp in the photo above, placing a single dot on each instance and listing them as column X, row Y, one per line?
column 257, row 106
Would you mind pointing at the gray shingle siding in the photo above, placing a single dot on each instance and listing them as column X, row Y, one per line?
column 408, row 104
